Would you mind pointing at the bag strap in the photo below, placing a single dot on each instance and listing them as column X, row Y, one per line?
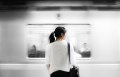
column 69, row 52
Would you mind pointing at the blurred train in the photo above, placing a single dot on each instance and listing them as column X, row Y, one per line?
column 95, row 35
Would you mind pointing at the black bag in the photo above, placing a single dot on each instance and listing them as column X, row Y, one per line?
column 74, row 71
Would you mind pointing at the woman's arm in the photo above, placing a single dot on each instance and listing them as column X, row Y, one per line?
column 72, row 54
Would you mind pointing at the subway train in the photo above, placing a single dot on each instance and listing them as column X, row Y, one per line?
column 93, row 29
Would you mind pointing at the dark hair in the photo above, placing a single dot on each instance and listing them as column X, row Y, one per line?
column 57, row 33
column 51, row 37
column 59, row 30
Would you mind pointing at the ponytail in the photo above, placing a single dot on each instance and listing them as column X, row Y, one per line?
column 51, row 37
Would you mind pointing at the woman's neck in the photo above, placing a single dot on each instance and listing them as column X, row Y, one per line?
column 59, row 39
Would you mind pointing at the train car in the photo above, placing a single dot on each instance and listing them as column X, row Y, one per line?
column 93, row 30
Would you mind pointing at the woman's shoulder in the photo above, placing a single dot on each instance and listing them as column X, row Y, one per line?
column 64, row 42
column 50, row 44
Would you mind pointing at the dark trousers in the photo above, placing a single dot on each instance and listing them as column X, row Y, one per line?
column 60, row 74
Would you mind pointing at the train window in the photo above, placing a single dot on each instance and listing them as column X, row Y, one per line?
column 80, row 36
column 77, row 34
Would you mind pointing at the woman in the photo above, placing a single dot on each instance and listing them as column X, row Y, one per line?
column 57, row 59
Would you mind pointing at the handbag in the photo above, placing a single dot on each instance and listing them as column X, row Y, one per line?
column 74, row 71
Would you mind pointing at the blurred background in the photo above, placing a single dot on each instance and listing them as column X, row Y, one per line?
column 77, row 34
column 92, row 27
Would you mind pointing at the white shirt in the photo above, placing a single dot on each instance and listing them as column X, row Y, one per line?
column 57, row 56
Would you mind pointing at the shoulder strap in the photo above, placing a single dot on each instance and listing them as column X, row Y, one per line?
column 69, row 52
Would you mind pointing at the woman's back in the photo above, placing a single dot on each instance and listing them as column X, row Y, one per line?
column 59, row 59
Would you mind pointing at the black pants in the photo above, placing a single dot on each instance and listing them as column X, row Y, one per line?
column 60, row 74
